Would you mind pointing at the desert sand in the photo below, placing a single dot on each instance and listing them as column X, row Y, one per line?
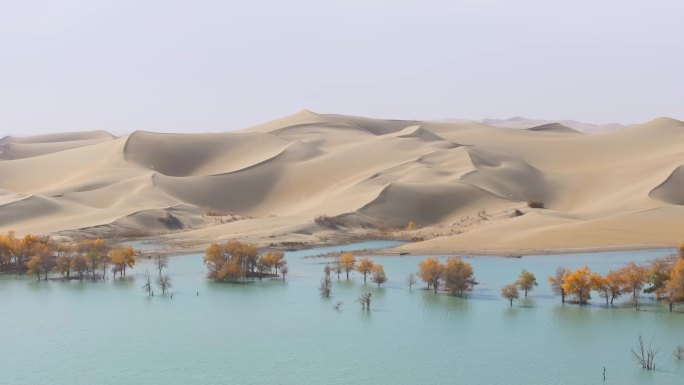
column 460, row 182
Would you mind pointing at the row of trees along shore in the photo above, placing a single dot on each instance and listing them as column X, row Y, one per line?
column 42, row 256
column 235, row 261
column 662, row 277
column 346, row 263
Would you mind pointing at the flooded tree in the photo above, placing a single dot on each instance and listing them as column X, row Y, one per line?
column 679, row 352
column 42, row 261
column 94, row 251
column 600, row 285
column 347, row 262
column 510, row 292
column 284, row 270
column 365, row 301
column 63, row 266
column 232, row 261
column 556, row 281
column 161, row 262
column 430, row 270
column 79, row 266
column 526, row 281
column 634, row 277
column 36, row 253
column 378, row 274
column 458, row 276
column 364, row 267
column 271, row 261
column 64, row 254
column 645, row 355
column 123, row 258
column 326, row 283
column 411, row 280
column 615, row 284
column 578, row 283
column 147, row 287
column 658, row 274
column 338, row 269
column 164, row 283
column 674, row 286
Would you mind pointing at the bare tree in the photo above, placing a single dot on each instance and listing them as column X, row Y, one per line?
column 284, row 270
column 338, row 269
column 161, row 261
column 557, row 281
column 365, row 300
column 645, row 355
column 164, row 283
column 147, row 287
column 411, row 280
column 326, row 283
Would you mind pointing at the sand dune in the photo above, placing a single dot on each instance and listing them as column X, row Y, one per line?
column 460, row 182
column 527, row 123
column 555, row 128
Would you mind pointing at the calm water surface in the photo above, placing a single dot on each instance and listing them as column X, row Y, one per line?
column 274, row 332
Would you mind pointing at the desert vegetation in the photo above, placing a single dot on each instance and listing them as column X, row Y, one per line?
column 235, row 261
column 455, row 275
column 510, row 292
column 45, row 258
column 663, row 277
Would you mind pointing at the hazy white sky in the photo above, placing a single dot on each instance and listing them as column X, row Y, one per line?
column 193, row 65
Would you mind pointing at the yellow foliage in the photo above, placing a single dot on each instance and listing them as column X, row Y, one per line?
column 458, row 276
column 233, row 260
column 346, row 262
column 378, row 274
column 123, row 258
column 634, row 277
column 676, row 282
column 579, row 284
column 526, row 281
column 431, row 270
column 364, row 267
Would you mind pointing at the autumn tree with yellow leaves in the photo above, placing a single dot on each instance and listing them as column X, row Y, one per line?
column 364, row 266
column 458, row 276
column 234, row 261
column 347, row 262
column 634, row 277
column 430, row 271
column 579, row 284
column 526, row 281
column 674, row 286
column 122, row 258
column 378, row 274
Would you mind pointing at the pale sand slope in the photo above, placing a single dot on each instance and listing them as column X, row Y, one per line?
column 267, row 183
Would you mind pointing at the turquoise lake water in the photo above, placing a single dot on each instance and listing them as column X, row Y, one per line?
column 274, row 332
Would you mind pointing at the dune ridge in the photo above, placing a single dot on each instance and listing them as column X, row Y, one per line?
column 465, row 184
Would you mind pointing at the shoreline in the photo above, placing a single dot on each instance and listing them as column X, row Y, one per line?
column 170, row 249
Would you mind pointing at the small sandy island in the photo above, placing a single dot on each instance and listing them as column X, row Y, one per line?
column 311, row 179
